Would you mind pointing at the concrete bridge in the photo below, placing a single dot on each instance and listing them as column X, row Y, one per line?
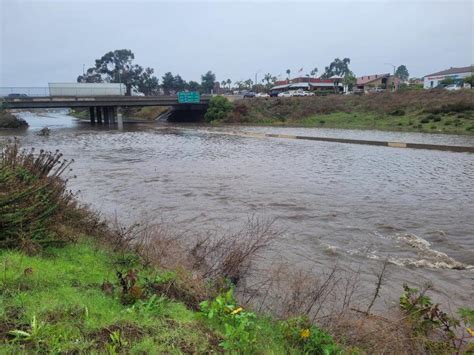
column 102, row 109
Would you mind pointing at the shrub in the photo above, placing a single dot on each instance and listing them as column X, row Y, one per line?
column 397, row 112
column 459, row 106
column 439, row 332
column 219, row 108
column 240, row 327
column 32, row 195
column 7, row 120
column 425, row 120
column 310, row 339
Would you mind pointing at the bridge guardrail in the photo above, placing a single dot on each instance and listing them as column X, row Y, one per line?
column 19, row 92
column 58, row 91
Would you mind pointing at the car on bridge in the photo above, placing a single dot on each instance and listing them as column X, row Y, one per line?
column 16, row 96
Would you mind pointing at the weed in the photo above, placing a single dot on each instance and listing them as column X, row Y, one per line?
column 441, row 332
column 240, row 327
column 308, row 338
column 397, row 112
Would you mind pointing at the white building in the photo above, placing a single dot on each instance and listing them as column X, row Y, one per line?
column 457, row 74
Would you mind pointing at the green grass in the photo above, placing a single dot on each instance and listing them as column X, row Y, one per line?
column 55, row 302
column 411, row 122
column 61, row 289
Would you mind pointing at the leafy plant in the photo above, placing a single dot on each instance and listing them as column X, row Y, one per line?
column 240, row 327
column 309, row 338
column 429, row 320
column 33, row 335
column 219, row 108
column 117, row 342
column 131, row 291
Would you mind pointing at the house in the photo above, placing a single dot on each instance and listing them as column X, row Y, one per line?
column 309, row 84
column 415, row 81
column 376, row 82
column 457, row 74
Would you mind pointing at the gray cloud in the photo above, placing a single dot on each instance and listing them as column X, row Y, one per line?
column 43, row 41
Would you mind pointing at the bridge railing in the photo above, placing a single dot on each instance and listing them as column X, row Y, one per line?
column 28, row 91
column 59, row 91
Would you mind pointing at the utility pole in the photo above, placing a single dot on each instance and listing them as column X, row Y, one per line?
column 393, row 80
column 256, row 73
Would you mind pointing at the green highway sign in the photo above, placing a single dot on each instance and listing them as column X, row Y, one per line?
column 191, row 97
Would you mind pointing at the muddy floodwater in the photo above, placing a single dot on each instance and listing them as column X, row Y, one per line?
column 335, row 203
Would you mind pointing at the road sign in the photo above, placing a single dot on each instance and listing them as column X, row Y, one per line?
column 191, row 97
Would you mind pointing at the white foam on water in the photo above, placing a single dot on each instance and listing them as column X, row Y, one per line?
column 428, row 257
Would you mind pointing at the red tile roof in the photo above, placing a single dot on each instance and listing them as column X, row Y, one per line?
column 368, row 78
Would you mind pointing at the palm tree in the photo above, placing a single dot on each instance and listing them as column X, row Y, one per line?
column 269, row 79
column 288, row 71
column 229, row 82
column 248, row 83
column 314, row 71
column 223, row 83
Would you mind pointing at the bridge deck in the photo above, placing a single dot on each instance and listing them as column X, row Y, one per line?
column 96, row 101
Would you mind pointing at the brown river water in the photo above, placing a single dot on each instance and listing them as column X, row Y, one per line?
column 336, row 203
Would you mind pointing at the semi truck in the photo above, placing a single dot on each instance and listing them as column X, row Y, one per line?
column 88, row 89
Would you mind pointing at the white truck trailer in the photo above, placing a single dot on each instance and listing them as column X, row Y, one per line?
column 86, row 89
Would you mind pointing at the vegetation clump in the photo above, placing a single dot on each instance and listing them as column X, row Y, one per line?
column 437, row 331
column 219, row 108
column 7, row 120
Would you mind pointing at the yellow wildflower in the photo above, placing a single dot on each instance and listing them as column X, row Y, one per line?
column 237, row 310
column 305, row 333
column 470, row 331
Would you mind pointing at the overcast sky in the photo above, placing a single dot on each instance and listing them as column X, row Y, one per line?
column 49, row 41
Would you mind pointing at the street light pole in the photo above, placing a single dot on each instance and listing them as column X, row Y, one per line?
column 256, row 73
column 394, row 66
column 120, row 82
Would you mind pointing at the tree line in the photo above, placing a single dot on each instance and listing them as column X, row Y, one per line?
column 118, row 67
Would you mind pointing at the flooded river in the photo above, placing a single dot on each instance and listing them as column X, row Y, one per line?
column 336, row 203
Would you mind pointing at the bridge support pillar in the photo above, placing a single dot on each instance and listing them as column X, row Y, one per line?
column 113, row 114
column 119, row 118
column 92, row 114
column 106, row 110
column 99, row 114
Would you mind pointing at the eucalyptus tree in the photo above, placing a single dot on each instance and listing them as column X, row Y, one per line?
column 117, row 67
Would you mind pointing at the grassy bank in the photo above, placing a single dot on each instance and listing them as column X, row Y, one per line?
column 71, row 300
column 434, row 111
column 70, row 283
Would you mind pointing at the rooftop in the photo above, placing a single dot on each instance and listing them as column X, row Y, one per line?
column 454, row 71
column 368, row 78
